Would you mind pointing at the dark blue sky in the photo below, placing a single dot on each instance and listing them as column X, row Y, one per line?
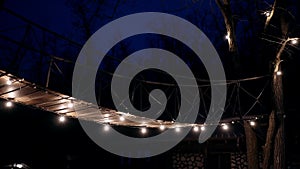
column 57, row 15
column 52, row 14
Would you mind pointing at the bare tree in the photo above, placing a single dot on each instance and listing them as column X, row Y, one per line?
column 251, row 139
column 275, row 145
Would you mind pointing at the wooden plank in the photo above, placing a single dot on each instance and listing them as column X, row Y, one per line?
column 41, row 99
column 11, row 88
column 32, row 96
column 54, row 103
column 20, row 93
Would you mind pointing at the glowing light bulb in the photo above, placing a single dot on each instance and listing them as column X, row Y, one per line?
column 252, row 123
column 196, row 129
column 8, row 104
column 177, row 129
column 19, row 165
column 162, row 127
column 267, row 13
column 106, row 128
column 62, row 119
column 122, row 118
column 225, row 127
column 279, row 73
column 202, row 128
column 294, row 41
column 227, row 36
column 143, row 130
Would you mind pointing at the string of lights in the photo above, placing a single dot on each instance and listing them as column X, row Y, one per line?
column 224, row 124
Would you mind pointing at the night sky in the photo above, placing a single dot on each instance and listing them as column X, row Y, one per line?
column 36, row 138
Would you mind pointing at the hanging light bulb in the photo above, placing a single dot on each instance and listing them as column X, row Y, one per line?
column 294, row 41
column 227, row 36
column 177, row 129
column 196, row 129
column 202, row 128
column 106, row 127
column 252, row 123
column 162, row 127
column 8, row 104
column 122, row 118
column 143, row 130
column 267, row 13
column 62, row 119
column 18, row 165
column 278, row 73
column 225, row 126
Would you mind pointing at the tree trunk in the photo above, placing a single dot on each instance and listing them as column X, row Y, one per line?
column 252, row 148
column 267, row 23
column 269, row 142
column 279, row 147
column 226, row 12
column 224, row 6
column 277, row 131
